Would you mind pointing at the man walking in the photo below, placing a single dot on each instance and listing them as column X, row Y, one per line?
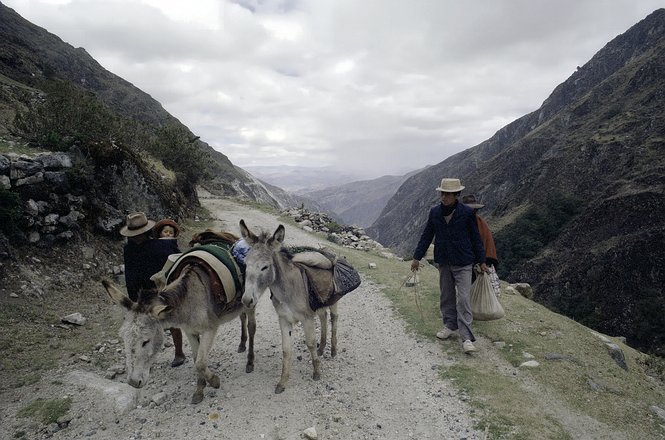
column 457, row 246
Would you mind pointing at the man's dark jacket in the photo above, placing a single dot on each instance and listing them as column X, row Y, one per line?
column 143, row 261
column 456, row 243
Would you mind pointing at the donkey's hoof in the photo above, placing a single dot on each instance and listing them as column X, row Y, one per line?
column 319, row 352
column 279, row 389
column 178, row 361
column 241, row 348
column 333, row 352
column 316, row 375
column 249, row 368
column 214, row 381
column 197, row 397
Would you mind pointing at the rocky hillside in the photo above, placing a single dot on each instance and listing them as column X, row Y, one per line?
column 29, row 55
column 583, row 178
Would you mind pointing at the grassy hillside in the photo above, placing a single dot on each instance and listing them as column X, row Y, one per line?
column 578, row 390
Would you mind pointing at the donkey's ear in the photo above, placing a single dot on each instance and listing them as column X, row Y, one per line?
column 117, row 295
column 278, row 236
column 247, row 234
column 160, row 311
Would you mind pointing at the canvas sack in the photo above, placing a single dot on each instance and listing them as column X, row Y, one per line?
column 484, row 304
column 345, row 277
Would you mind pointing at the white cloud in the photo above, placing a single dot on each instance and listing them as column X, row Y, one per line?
column 380, row 86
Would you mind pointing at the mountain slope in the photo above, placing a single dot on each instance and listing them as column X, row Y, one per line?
column 30, row 54
column 598, row 141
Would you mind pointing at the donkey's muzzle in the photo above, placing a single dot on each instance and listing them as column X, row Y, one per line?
column 136, row 383
column 248, row 301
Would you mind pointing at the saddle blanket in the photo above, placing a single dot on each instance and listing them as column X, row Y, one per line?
column 217, row 258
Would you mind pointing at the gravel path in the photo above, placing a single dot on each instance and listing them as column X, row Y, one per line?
column 383, row 383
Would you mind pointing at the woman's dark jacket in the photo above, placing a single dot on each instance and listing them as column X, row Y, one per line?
column 143, row 261
column 456, row 243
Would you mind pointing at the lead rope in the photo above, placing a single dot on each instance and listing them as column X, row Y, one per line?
column 416, row 291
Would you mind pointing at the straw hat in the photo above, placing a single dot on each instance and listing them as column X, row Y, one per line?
column 470, row 201
column 137, row 224
column 167, row 222
column 450, row 186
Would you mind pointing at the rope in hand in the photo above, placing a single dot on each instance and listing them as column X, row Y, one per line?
column 416, row 291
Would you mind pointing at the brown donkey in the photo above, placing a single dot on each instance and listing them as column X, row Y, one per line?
column 269, row 266
column 190, row 304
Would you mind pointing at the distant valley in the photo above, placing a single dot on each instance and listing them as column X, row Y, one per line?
column 341, row 194
column 300, row 180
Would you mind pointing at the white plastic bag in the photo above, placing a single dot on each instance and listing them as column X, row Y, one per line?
column 494, row 279
column 484, row 304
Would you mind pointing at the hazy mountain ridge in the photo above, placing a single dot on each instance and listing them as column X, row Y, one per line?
column 359, row 203
column 300, row 179
column 598, row 138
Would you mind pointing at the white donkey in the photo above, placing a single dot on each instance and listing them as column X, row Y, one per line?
column 189, row 304
column 269, row 266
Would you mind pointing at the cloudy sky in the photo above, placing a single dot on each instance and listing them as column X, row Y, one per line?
column 376, row 86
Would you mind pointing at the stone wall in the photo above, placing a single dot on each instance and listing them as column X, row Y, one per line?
column 348, row 236
column 64, row 193
column 50, row 212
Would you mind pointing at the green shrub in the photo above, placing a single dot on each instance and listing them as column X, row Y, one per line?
column 180, row 152
column 334, row 227
column 46, row 411
column 66, row 116
column 533, row 230
column 70, row 116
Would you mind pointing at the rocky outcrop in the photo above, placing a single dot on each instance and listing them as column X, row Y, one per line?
column 348, row 236
column 50, row 212
column 62, row 194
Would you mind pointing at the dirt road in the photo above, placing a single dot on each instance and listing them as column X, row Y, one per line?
column 383, row 384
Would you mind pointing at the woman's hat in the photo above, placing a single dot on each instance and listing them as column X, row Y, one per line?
column 137, row 224
column 470, row 201
column 450, row 186
column 167, row 222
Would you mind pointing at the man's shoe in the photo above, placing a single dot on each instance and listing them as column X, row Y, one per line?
column 468, row 346
column 445, row 333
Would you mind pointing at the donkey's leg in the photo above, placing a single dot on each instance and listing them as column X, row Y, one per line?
column 203, row 372
column 333, row 329
column 193, row 343
column 251, row 327
column 323, row 318
column 243, row 332
column 207, row 340
column 287, row 353
column 310, row 341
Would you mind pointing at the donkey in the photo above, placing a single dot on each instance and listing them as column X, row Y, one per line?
column 188, row 303
column 269, row 266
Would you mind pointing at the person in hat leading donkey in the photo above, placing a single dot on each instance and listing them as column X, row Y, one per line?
column 457, row 247
column 145, row 256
